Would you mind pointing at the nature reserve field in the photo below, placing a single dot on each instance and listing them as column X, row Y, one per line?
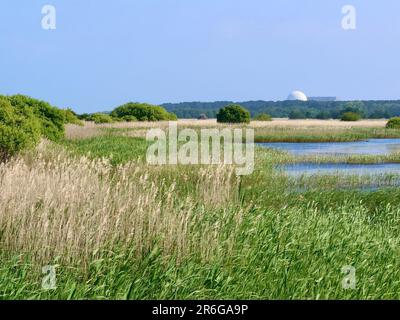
column 116, row 227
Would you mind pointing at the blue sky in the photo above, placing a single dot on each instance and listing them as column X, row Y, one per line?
column 105, row 53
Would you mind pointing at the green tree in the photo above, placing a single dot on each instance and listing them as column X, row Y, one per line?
column 354, row 107
column 51, row 119
column 101, row 118
column 324, row 115
column 297, row 114
column 142, row 112
column 129, row 118
column 350, row 116
column 19, row 129
column 233, row 113
column 71, row 117
column 393, row 123
column 84, row 116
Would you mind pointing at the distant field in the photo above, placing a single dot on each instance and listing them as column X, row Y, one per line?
column 265, row 131
column 280, row 122
column 277, row 122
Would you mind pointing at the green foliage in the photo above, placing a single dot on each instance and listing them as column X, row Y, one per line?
column 101, row 118
column 323, row 115
column 71, row 117
column 350, row 116
column 281, row 109
column 393, row 123
column 84, row 116
column 233, row 113
column 19, row 129
column 129, row 118
column 354, row 106
column 51, row 119
column 263, row 117
column 142, row 112
column 297, row 114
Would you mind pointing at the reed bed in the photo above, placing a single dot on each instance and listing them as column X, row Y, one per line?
column 88, row 130
column 74, row 207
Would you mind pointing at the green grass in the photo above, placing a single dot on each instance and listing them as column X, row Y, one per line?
column 291, row 253
column 118, row 149
column 290, row 244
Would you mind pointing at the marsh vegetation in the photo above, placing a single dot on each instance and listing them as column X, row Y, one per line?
column 117, row 228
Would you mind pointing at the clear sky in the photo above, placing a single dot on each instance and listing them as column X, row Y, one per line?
column 105, row 53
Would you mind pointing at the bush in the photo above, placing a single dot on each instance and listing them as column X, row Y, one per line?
column 19, row 129
column 84, row 116
column 101, row 118
column 350, row 116
column 129, row 118
column 50, row 118
column 233, row 113
column 142, row 112
column 71, row 117
column 393, row 123
column 263, row 117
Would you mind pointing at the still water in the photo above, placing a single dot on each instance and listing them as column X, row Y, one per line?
column 299, row 169
column 368, row 147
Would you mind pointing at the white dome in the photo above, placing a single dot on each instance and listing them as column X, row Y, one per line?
column 297, row 95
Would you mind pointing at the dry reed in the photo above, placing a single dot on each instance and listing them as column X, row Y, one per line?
column 54, row 205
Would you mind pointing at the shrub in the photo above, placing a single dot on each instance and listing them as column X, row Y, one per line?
column 84, row 116
column 350, row 116
column 263, row 117
column 50, row 118
column 101, row 118
column 393, row 123
column 142, row 112
column 19, row 129
column 233, row 113
column 71, row 117
column 129, row 118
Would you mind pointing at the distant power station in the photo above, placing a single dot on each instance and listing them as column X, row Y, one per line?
column 297, row 95
column 323, row 98
column 300, row 96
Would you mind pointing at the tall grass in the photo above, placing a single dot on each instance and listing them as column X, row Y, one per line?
column 75, row 207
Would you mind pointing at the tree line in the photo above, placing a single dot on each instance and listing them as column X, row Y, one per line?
column 292, row 109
